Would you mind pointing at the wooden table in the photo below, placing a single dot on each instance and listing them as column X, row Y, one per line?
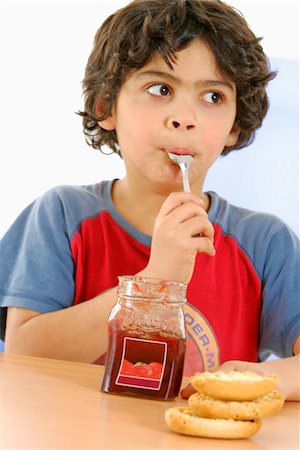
column 49, row 404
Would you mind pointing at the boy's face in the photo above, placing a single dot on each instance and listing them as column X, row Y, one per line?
column 190, row 109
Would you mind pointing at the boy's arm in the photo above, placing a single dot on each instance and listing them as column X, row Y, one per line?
column 286, row 369
column 77, row 333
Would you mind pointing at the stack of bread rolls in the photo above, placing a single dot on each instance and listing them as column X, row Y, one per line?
column 226, row 405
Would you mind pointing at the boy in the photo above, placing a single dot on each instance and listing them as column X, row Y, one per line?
column 183, row 77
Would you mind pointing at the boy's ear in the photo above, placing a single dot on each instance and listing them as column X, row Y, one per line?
column 233, row 135
column 108, row 123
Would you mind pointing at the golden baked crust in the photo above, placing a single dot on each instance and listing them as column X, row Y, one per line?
column 184, row 421
column 266, row 405
column 238, row 386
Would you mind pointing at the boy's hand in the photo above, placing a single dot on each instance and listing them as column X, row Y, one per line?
column 175, row 243
column 285, row 369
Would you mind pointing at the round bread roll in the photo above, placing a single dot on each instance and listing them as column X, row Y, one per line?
column 206, row 406
column 239, row 386
column 184, row 421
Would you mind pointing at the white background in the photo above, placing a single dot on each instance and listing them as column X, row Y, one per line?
column 45, row 46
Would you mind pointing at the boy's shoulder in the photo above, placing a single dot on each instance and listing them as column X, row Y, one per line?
column 69, row 193
column 75, row 202
column 62, row 207
column 262, row 236
column 73, row 196
column 234, row 219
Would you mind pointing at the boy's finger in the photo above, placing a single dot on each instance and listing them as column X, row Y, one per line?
column 187, row 391
column 186, row 211
column 199, row 227
column 205, row 245
column 176, row 199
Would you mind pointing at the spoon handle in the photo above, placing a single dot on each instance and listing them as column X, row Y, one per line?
column 185, row 177
column 186, row 184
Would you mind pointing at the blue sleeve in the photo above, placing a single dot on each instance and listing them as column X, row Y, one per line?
column 37, row 270
column 280, row 272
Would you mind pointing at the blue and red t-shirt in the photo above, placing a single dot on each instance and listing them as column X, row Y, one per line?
column 71, row 244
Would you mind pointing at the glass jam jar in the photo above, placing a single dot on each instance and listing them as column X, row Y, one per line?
column 147, row 339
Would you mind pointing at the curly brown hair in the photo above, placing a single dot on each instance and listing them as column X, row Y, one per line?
column 127, row 40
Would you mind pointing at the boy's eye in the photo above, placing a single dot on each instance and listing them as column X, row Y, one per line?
column 159, row 90
column 213, row 97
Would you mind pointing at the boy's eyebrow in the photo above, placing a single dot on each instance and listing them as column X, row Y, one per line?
column 158, row 73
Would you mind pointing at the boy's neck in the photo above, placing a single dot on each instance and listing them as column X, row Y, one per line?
column 139, row 207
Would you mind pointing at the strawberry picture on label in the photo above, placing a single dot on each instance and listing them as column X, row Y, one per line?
column 142, row 364
column 141, row 369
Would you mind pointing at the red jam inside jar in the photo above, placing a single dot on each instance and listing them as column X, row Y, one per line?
column 147, row 340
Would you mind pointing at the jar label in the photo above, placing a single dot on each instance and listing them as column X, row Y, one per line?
column 142, row 363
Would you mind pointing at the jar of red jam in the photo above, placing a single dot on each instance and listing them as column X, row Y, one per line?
column 147, row 339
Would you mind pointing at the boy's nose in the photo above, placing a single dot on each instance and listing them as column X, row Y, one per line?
column 188, row 125
column 182, row 120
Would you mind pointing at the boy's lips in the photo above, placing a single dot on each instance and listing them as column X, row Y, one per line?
column 179, row 151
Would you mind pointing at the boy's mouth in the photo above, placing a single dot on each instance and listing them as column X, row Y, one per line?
column 179, row 151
